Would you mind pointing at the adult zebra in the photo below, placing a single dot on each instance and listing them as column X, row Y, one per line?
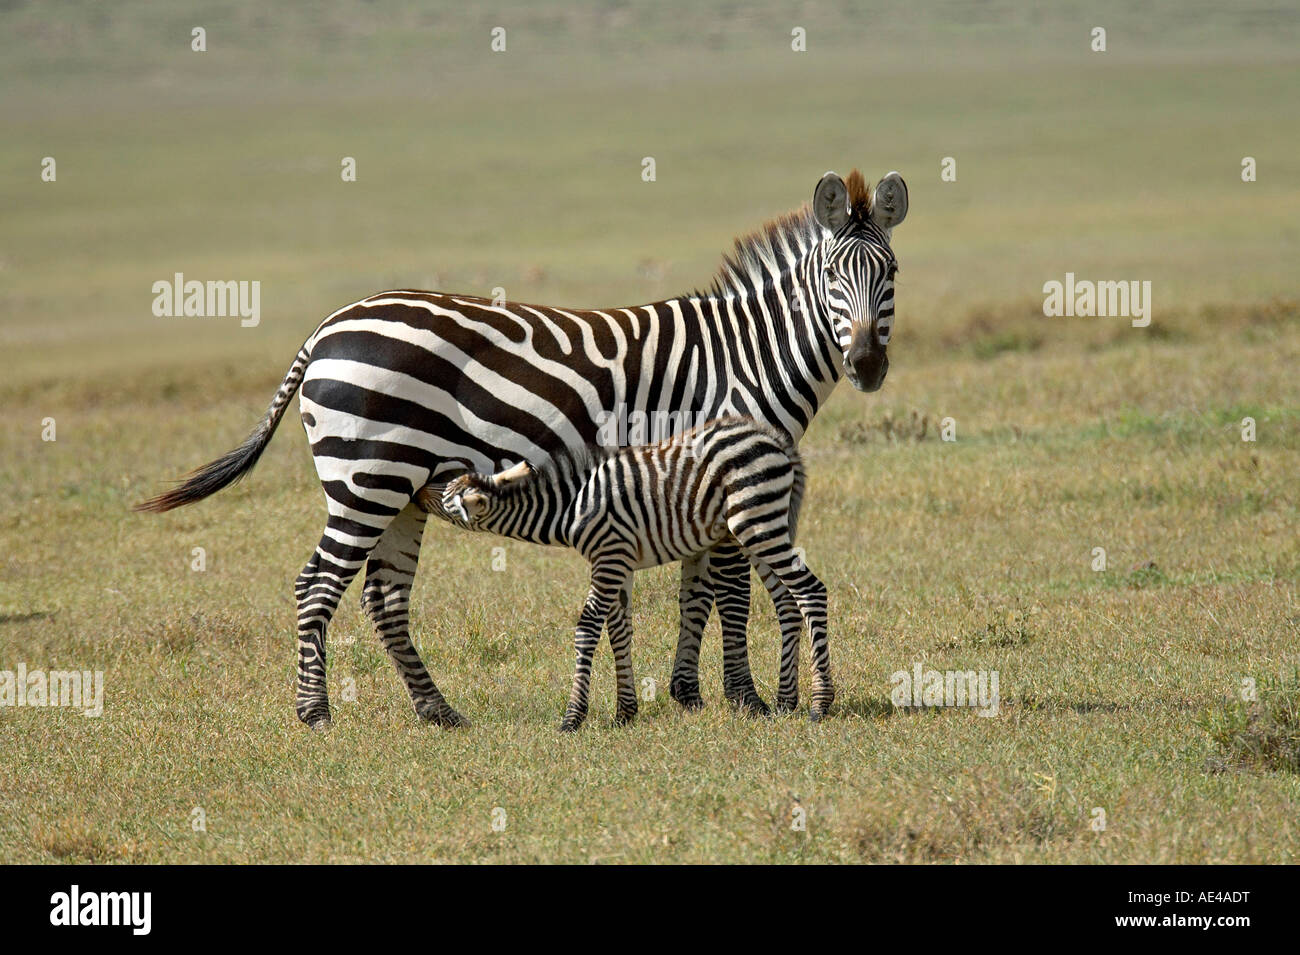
column 405, row 387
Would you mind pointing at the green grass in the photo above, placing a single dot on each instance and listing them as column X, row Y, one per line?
column 1121, row 689
column 1261, row 732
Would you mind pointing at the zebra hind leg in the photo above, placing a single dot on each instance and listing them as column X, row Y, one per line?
column 695, row 600
column 811, row 594
column 386, row 599
column 318, row 589
column 790, row 619
column 778, row 554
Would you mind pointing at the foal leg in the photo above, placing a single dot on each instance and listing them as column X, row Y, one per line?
column 620, row 641
column 777, row 552
column 722, row 573
column 606, row 584
column 811, row 594
column 790, row 619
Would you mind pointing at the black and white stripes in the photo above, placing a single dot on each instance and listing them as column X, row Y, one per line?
column 731, row 479
column 405, row 387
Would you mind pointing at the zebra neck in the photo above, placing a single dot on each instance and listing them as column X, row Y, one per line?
column 785, row 359
column 536, row 512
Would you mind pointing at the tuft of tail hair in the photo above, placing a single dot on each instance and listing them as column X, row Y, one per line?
column 233, row 465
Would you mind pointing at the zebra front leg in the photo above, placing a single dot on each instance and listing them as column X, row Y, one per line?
column 386, row 599
column 318, row 589
column 605, row 587
column 790, row 619
column 619, row 625
column 695, row 601
column 729, row 570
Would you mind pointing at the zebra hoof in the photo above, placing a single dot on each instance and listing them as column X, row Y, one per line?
column 442, row 715
column 751, row 704
column 624, row 717
column 785, row 707
column 572, row 721
column 316, row 717
column 321, row 725
column 816, row 716
column 688, row 696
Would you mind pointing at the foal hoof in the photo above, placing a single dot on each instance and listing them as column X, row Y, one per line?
column 440, row 714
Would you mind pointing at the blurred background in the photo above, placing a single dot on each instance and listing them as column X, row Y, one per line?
column 522, row 169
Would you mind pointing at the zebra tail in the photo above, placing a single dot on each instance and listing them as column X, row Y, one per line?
column 233, row 465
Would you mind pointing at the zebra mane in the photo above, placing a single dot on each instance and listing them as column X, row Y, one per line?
column 775, row 245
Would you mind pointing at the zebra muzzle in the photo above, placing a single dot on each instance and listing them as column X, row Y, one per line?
column 867, row 362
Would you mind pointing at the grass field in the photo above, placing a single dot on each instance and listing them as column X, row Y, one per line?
column 1121, row 689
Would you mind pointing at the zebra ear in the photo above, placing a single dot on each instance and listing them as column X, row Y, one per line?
column 889, row 201
column 831, row 202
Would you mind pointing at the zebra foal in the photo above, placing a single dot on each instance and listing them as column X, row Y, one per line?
column 731, row 479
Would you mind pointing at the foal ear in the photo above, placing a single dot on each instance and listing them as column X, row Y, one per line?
column 889, row 201
column 429, row 498
column 830, row 202
column 473, row 503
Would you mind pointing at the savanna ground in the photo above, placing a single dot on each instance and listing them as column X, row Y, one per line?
column 1121, row 689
